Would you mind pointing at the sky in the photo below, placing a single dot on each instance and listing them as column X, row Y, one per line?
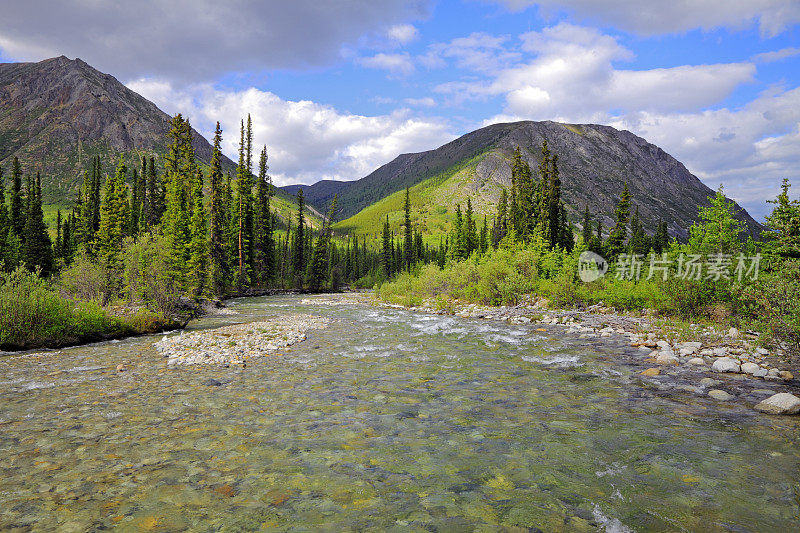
column 336, row 89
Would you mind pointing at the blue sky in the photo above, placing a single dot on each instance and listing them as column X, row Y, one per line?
column 337, row 89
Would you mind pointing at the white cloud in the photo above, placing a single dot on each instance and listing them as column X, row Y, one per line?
column 777, row 55
column 402, row 33
column 420, row 102
column 480, row 52
column 657, row 17
column 573, row 77
column 195, row 40
column 306, row 141
column 749, row 149
column 397, row 65
column 573, row 74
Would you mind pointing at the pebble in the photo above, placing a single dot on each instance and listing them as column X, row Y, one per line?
column 750, row 368
column 725, row 364
column 780, row 404
column 698, row 361
column 666, row 358
column 709, row 382
column 651, row 372
column 720, row 395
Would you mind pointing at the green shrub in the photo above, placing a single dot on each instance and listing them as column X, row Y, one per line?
column 772, row 304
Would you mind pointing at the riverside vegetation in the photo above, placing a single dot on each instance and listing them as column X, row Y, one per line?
column 533, row 253
column 143, row 251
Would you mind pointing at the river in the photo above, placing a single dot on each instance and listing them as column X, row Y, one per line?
column 385, row 420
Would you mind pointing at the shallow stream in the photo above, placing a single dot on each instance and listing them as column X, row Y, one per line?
column 385, row 420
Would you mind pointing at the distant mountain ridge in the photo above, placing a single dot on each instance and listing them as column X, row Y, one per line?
column 594, row 161
column 58, row 113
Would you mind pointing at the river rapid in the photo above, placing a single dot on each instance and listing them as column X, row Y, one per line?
column 385, row 420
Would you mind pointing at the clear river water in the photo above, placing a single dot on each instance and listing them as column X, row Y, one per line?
column 387, row 420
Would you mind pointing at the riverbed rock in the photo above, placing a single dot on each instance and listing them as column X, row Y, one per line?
column 780, row 404
column 749, row 368
column 734, row 333
column 786, row 375
column 666, row 358
column 720, row 395
column 709, row 382
column 697, row 361
column 725, row 364
column 760, row 373
column 651, row 372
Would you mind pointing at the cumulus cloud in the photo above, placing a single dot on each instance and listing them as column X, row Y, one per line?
column 402, row 33
column 777, row 55
column 573, row 73
column 656, row 17
column 749, row 150
column 306, row 141
column 397, row 65
column 194, row 40
column 480, row 52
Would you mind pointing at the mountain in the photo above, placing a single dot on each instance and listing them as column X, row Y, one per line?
column 594, row 161
column 320, row 194
column 58, row 113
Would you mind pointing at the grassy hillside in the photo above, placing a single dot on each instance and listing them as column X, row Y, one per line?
column 433, row 203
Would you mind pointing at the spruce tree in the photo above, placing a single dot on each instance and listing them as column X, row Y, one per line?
column 8, row 249
column 408, row 244
column 523, row 208
column 67, row 240
column 134, row 209
column 555, row 231
column 566, row 233
column 483, row 243
column 17, row 205
column 616, row 239
column 458, row 244
column 386, row 250
column 181, row 169
column 156, row 195
column 264, row 245
column 298, row 252
column 245, row 206
column 219, row 272
column 198, row 245
column 112, row 222
column 319, row 260
column 784, row 221
column 58, row 250
column 639, row 242
column 500, row 227
column 470, row 237
column 37, row 249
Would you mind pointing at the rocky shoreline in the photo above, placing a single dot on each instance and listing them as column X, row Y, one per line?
column 234, row 345
column 719, row 359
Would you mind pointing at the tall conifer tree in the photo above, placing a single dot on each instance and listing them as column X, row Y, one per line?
column 218, row 203
column 408, row 245
column 17, row 205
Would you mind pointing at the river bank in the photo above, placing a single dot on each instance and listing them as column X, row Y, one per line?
column 725, row 366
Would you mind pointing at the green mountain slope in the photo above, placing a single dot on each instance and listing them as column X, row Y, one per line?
column 595, row 161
